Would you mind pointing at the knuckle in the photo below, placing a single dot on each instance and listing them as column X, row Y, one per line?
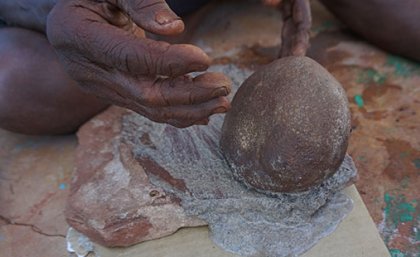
column 150, row 95
column 223, row 101
column 64, row 25
column 156, row 56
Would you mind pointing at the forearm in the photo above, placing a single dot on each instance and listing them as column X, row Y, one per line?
column 31, row 14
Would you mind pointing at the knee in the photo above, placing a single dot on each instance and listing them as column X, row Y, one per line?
column 15, row 115
column 44, row 107
column 36, row 95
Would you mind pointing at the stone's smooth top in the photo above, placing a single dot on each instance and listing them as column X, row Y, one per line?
column 288, row 128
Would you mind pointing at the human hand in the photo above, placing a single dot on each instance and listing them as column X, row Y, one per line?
column 297, row 23
column 102, row 45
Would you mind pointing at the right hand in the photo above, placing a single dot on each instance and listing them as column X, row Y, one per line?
column 102, row 45
column 297, row 21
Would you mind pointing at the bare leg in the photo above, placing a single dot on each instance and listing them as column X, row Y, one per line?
column 36, row 95
column 391, row 25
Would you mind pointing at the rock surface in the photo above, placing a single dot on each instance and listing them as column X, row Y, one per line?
column 139, row 180
column 111, row 198
column 288, row 128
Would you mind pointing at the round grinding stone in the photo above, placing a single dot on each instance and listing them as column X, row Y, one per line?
column 288, row 128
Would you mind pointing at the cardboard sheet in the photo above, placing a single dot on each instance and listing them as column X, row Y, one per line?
column 356, row 236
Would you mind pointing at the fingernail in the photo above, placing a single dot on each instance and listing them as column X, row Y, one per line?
column 198, row 67
column 221, row 91
column 165, row 17
column 220, row 110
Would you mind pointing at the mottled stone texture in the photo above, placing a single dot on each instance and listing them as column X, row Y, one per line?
column 288, row 128
column 111, row 198
column 138, row 180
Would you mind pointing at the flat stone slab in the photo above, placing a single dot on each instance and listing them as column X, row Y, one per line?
column 138, row 180
column 356, row 236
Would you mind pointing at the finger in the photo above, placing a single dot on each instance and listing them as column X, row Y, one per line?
column 156, row 93
column 153, row 15
column 185, row 116
column 300, row 44
column 182, row 90
column 141, row 56
column 202, row 122
column 179, row 116
column 114, row 48
column 99, row 86
column 288, row 28
column 297, row 22
column 302, row 19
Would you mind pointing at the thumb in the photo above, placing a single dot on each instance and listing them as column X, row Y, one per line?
column 153, row 15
